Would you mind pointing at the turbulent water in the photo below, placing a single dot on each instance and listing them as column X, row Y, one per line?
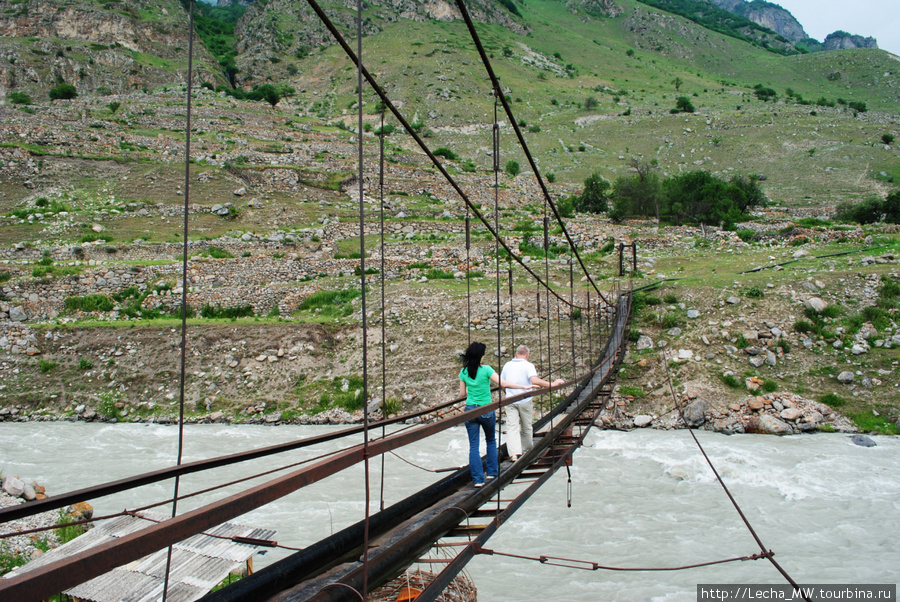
column 830, row 510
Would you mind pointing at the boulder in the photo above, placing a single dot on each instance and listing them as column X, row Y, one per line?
column 800, row 253
column 791, row 413
column 642, row 420
column 695, row 412
column 769, row 425
column 693, row 314
column 17, row 314
column 862, row 441
column 845, row 377
column 733, row 300
column 685, row 355
column 14, row 486
column 757, row 362
column 816, row 304
column 644, row 342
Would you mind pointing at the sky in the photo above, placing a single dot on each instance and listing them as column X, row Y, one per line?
column 879, row 19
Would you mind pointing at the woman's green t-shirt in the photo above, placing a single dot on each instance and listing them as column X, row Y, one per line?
column 478, row 390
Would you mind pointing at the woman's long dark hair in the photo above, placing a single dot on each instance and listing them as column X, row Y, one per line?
column 472, row 358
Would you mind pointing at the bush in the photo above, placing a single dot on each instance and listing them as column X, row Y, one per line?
column 769, row 386
column 754, row 292
column 683, row 104
column 89, row 303
column 731, row 381
column 85, row 364
column 229, row 313
column 833, row 400
column 63, row 92
column 886, row 138
column 566, row 206
column 334, row 304
column 20, row 98
column 446, row 153
column 512, row 168
column 46, row 365
column 858, row 105
column 219, row 253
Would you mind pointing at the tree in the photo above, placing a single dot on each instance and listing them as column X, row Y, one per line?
column 753, row 195
column 595, row 196
column 63, row 92
column 113, row 107
column 512, row 168
column 677, row 81
column 683, row 104
column 638, row 195
column 891, row 208
column 266, row 92
column 591, row 103
column 700, row 197
column 886, row 138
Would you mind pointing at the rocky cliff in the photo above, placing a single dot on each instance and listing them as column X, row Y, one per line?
column 117, row 46
column 769, row 15
column 842, row 39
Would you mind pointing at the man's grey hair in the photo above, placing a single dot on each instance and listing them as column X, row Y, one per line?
column 522, row 350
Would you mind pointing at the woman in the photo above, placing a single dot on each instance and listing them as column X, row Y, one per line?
column 475, row 385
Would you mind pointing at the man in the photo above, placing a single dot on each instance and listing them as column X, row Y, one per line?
column 519, row 415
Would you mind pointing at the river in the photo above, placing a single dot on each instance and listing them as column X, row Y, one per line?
column 830, row 510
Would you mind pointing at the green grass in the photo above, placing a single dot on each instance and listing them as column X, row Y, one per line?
column 867, row 422
column 89, row 303
column 731, row 381
column 833, row 400
column 635, row 392
column 330, row 304
column 226, row 313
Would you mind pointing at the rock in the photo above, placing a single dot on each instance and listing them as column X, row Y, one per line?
column 685, row 355
column 17, row 314
column 757, row 361
column 771, row 358
column 769, row 425
column 240, row 191
column 816, row 304
column 642, row 420
column 858, row 349
column 845, row 377
column 374, row 405
column 693, row 314
column 733, row 300
column 791, row 414
column 644, row 342
column 14, row 486
column 273, row 417
column 800, row 253
column 674, row 332
column 862, row 441
column 80, row 511
column 89, row 414
column 217, row 417
column 756, row 404
column 29, row 493
column 695, row 412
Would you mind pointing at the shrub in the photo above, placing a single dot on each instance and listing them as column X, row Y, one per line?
column 46, row 365
column 754, row 292
column 566, row 206
column 5, row 277
column 85, row 364
column 113, row 107
column 886, row 138
column 683, row 104
column 591, row 103
column 858, row 105
column 89, row 303
column 219, row 253
column 63, row 92
column 230, row 313
column 769, row 386
column 633, row 335
column 731, row 381
column 330, row 303
column 670, row 298
column 512, row 168
column 446, row 153
column 833, row 400
column 20, row 98
column 435, row 274
column 551, row 177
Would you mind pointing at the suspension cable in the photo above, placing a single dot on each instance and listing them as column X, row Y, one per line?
column 435, row 161
column 383, row 298
column 495, row 84
column 184, row 288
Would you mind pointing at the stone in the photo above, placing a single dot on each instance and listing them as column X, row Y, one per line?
column 858, row 349
column 17, row 314
column 642, row 420
column 695, row 412
column 273, row 417
column 81, row 510
column 733, row 300
column 685, row 354
column 845, row 377
column 771, row 358
column 756, row 404
column 29, row 493
column 374, row 405
column 800, row 253
column 791, row 414
column 757, row 361
column 14, row 486
column 862, row 441
column 693, row 314
column 816, row 304
column 644, row 342
column 769, row 425
column 240, row 191
column 217, row 417
column 674, row 332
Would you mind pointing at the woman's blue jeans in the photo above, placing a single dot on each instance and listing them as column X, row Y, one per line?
column 488, row 422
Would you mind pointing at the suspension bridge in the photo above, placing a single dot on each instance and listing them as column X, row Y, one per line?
column 448, row 514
